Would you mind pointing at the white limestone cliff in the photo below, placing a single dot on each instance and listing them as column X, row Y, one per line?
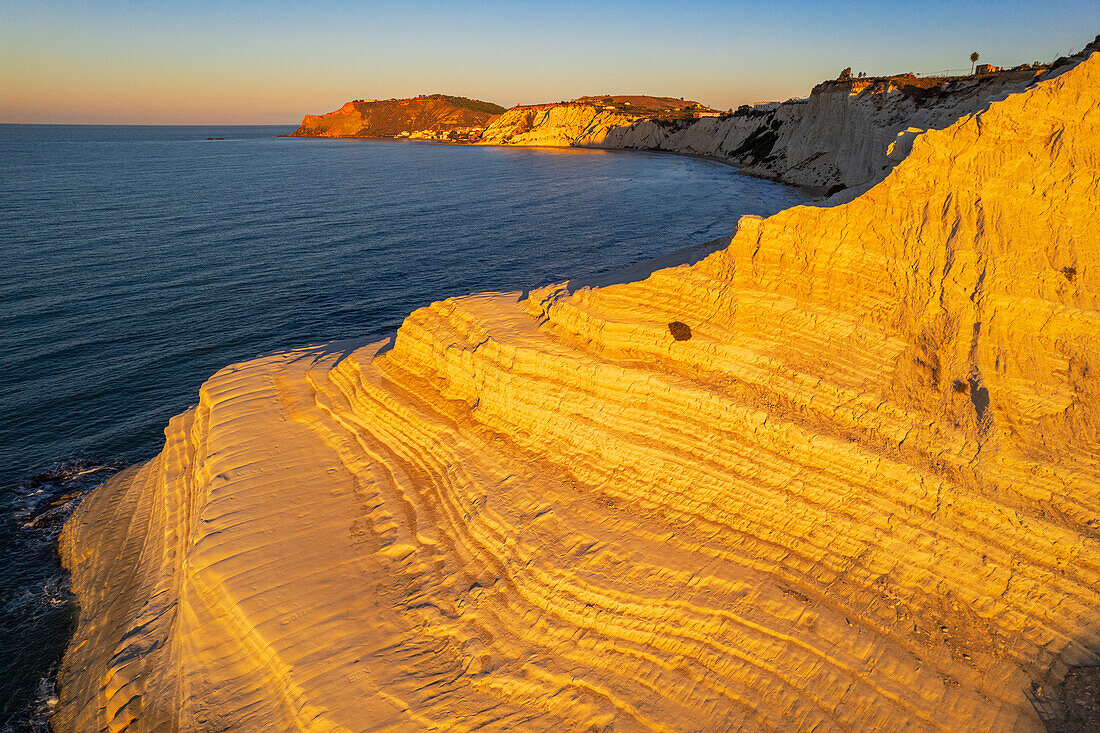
column 555, row 125
column 845, row 134
column 840, row 135
column 862, row 494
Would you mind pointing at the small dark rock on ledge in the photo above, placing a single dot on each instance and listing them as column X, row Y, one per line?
column 679, row 331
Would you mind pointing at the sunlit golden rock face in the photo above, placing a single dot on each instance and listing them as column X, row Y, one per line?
column 583, row 122
column 860, row 492
column 426, row 116
column 553, row 125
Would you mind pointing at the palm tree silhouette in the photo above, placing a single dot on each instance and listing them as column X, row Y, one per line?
column 973, row 60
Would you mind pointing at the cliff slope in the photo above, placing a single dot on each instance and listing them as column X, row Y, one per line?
column 424, row 116
column 843, row 474
column 845, row 133
column 584, row 121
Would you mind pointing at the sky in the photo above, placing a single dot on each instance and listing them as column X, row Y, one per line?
column 245, row 62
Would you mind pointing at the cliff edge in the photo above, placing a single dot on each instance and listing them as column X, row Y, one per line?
column 845, row 134
column 843, row 474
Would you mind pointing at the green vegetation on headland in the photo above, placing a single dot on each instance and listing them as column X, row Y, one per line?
column 475, row 105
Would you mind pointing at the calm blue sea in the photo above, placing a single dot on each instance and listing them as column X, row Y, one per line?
column 137, row 261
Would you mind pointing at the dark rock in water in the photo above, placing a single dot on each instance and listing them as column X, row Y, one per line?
column 679, row 331
column 36, row 608
column 53, row 494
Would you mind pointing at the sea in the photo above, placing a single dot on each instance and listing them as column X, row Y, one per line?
column 137, row 261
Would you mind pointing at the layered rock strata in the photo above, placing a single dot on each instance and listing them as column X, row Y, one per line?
column 588, row 121
column 861, row 494
column 844, row 134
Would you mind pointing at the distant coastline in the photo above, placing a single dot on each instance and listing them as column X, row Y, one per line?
column 859, row 127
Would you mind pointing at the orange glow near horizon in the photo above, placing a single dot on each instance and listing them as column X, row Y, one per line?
column 242, row 62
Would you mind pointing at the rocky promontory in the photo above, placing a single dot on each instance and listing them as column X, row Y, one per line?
column 433, row 116
column 845, row 133
column 841, row 474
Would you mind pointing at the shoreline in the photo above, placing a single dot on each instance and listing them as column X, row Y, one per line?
column 811, row 192
column 697, row 245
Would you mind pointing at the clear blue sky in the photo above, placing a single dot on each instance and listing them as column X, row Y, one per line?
column 271, row 62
